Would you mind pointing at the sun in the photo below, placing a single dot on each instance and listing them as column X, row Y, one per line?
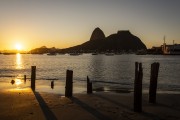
column 18, row 46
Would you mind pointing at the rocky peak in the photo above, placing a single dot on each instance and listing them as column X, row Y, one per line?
column 97, row 34
column 124, row 32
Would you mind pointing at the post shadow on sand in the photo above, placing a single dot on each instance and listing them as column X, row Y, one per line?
column 145, row 114
column 89, row 109
column 69, row 94
column 93, row 111
column 137, row 94
column 47, row 112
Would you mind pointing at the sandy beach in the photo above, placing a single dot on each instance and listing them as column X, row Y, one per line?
column 23, row 104
column 19, row 104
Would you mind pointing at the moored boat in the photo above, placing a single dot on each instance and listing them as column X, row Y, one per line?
column 51, row 54
column 94, row 54
column 109, row 54
column 74, row 54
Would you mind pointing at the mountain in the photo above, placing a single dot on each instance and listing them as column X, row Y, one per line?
column 122, row 40
column 43, row 50
column 97, row 34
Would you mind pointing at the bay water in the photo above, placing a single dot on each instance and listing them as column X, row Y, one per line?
column 107, row 72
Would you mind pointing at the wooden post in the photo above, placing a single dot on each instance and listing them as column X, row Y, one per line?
column 69, row 85
column 24, row 78
column 138, row 87
column 153, row 82
column 52, row 84
column 89, row 86
column 33, row 77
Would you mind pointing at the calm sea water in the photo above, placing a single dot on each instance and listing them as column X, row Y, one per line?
column 118, row 69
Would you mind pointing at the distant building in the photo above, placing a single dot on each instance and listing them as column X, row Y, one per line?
column 155, row 51
column 171, row 49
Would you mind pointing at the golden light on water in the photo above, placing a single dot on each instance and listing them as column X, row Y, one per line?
column 18, row 82
column 19, row 61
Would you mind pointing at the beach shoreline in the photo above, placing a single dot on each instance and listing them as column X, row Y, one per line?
column 19, row 104
column 97, row 106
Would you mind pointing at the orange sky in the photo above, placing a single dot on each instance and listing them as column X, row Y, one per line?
column 65, row 23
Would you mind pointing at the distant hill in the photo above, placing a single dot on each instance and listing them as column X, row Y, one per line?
column 122, row 40
column 43, row 50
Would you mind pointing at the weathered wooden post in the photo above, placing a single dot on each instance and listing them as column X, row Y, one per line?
column 89, row 86
column 24, row 78
column 138, row 87
column 52, row 84
column 33, row 77
column 69, row 83
column 153, row 82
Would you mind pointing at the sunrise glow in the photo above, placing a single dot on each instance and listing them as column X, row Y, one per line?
column 18, row 46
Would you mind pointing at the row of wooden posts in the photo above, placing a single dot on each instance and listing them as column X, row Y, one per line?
column 137, row 84
column 69, row 82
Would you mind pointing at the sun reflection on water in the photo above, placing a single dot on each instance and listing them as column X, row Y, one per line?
column 19, row 61
column 18, row 82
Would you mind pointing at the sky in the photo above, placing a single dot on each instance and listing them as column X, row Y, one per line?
column 66, row 23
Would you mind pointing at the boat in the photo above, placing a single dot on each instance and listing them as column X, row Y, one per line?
column 119, row 53
column 141, row 52
column 94, row 54
column 109, row 54
column 51, row 54
column 61, row 53
column 74, row 54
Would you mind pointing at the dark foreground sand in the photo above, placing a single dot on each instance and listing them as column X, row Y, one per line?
column 24, row 105
column 19, row 104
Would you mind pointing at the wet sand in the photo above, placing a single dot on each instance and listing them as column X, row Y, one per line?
column 112, row 106
column 23, row 104
column 19, row 104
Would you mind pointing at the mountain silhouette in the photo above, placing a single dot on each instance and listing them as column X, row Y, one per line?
column 97, row 34
column 120, row 41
